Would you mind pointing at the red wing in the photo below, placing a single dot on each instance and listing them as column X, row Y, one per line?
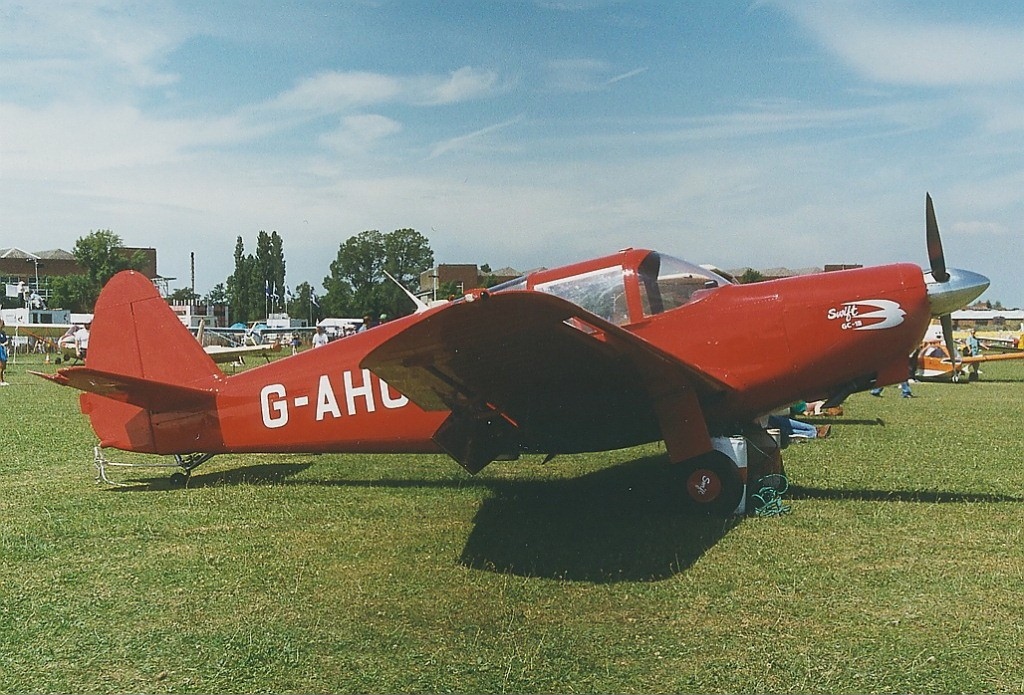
column 564, row 379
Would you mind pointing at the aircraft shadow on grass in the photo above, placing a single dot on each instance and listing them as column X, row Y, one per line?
column 269, row 473
column 824, row 420
column 798, row 492
column 622, row 523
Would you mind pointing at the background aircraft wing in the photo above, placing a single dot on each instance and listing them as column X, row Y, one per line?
column 221, row 354
column 991, row 358
column 536, row 370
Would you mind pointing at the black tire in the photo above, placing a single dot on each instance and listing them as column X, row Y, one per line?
column 179, row 479
column 713, row 485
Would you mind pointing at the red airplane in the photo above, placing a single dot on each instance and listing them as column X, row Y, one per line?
column 630, row 348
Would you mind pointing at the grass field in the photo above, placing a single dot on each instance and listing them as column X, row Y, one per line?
column 899, row 569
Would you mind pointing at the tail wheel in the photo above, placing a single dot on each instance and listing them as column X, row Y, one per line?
column 713, row 484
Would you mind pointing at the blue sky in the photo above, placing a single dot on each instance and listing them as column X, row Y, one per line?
column 524, row 134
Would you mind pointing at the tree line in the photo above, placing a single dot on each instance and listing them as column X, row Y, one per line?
column 357, row 284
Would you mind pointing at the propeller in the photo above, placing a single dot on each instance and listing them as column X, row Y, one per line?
column 937, row 260
column 935, row 255
column 948, row 289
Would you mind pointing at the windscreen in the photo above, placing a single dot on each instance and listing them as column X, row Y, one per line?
column 601, row 292
column 667, row 283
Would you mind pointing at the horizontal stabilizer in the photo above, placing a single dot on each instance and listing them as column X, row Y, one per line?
column 154, row 396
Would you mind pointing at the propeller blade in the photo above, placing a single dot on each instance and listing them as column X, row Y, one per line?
column 947, row 336
column 936, row 258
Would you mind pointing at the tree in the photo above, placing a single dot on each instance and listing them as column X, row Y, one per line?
column 338, row 299
column 750, row 275
column 358, row 285
column 487, row 276
column 355, row 273
column 256, row 277
column 269, row 265
column 74, row 292
column 302, row 305
column 185, row 295
column 407, row 253
column 450, row 289
column 217, row 295
column 240, row 284
column 101, row 255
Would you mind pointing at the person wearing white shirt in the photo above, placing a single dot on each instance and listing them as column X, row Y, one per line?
column 320, row 337
column 82, row 341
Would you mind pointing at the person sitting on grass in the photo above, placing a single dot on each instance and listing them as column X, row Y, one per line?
column 792, row 428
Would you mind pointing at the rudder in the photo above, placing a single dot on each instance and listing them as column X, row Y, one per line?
column 134, row 332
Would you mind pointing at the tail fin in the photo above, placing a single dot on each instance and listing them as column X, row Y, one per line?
column 136, row 334
column 142, row 362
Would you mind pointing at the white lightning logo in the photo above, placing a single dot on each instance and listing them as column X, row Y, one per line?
column 868, row 315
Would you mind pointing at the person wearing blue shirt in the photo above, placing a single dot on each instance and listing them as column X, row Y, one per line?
column 3, row 355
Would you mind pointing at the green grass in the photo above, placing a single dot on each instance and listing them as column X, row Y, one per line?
column 900, row 568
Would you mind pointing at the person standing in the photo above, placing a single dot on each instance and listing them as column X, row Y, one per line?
column 973, row 350
column 4, row 341
column 320, row 337
column 82, row 341
column 369, row 321
column 904, row 390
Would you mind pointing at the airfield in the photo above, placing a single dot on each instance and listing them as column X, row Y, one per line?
column 899, row 568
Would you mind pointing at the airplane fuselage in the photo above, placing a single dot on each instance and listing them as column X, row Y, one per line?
column 772, row 343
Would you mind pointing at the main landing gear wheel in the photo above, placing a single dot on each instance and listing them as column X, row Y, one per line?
column 187, row 463
column 713, row 484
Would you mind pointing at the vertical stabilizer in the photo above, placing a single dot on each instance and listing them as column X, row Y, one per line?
column 134, row 332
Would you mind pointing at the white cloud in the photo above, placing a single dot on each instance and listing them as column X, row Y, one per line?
column 89, row 45
column 577, row 74
column 625, row 76
column 463, row 141
column 360, row 132
column 90, row 138
column 979, row 228
column 62, row 140
column 464, row 84
column 332, row 92
column 900, row 48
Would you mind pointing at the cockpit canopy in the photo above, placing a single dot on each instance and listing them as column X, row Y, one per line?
column 626, row 287
column 667, row 283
